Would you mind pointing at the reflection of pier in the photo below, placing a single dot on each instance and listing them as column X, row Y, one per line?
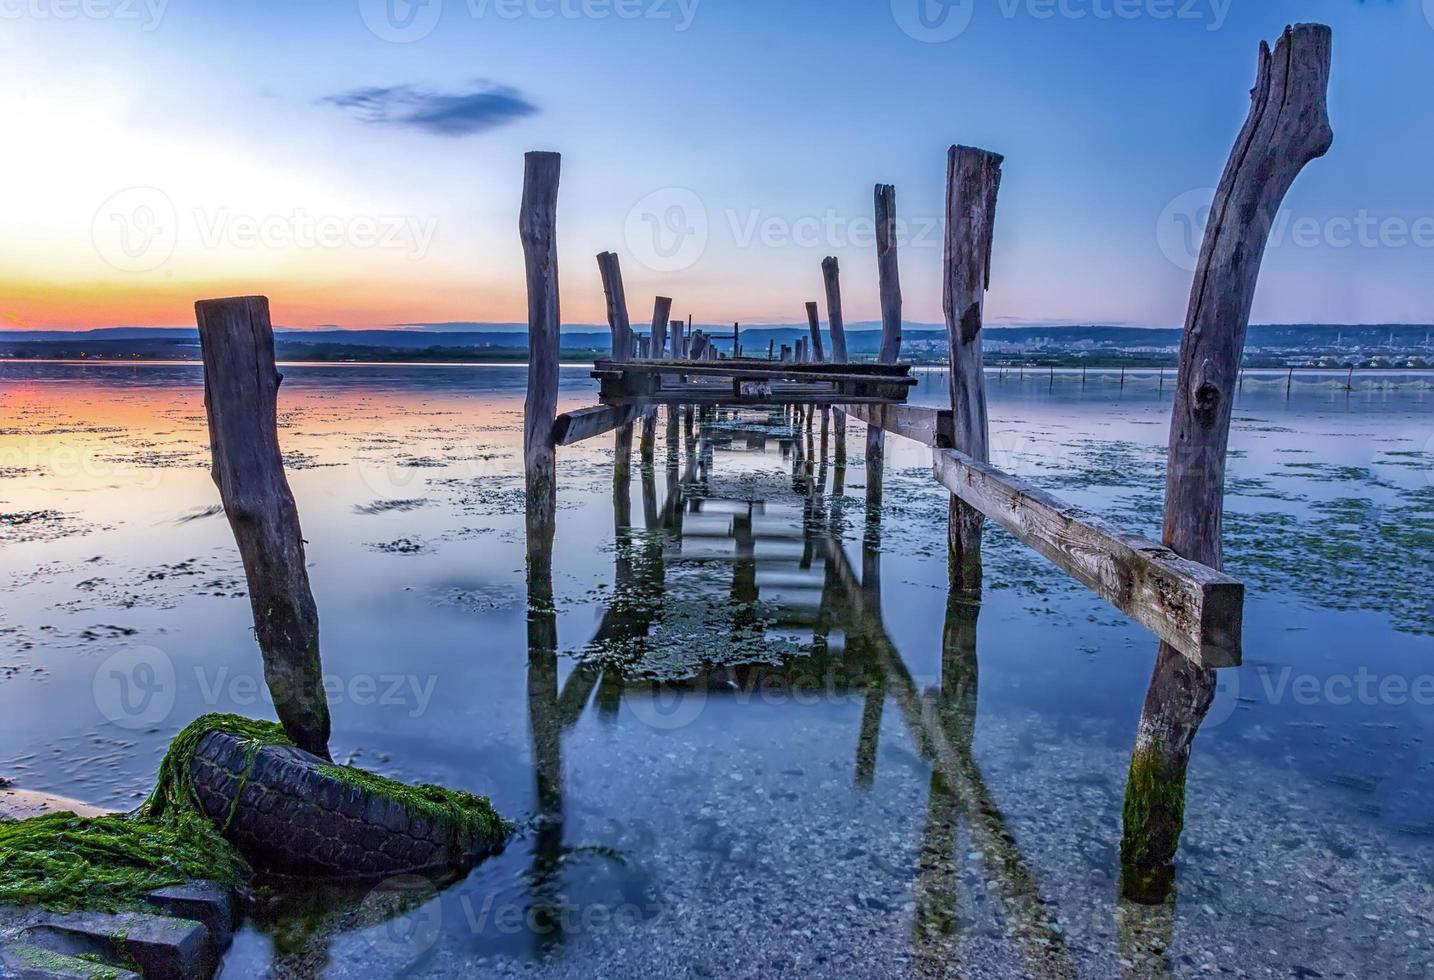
column 789, row 558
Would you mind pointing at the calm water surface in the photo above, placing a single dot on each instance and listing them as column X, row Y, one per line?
column 841, row 774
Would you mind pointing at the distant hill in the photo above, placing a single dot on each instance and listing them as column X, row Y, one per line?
column 1094, row 344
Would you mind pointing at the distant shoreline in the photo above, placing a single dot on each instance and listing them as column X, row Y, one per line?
column 1103, row 365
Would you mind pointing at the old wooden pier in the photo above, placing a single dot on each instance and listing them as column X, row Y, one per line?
column 1174, row 587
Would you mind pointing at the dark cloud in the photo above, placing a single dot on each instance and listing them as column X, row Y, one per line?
column 482, row 108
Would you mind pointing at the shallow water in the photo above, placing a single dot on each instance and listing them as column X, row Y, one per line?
column 856, row 787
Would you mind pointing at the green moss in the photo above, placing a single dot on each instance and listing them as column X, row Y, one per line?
column 62, row 862
column 1152, row 819
column 44, row 959
column 468, row 817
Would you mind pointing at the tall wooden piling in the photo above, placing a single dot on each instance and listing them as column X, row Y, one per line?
column 661, row 311
column 241, row 388
column 889, row 290
column 617, row 319
column 537, row 226
column 814, row 324
column 1288, row 126
column 831, row 279
column 676, row 334
column 973, row 179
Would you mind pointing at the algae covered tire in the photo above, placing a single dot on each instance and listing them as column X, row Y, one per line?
column 289, row 812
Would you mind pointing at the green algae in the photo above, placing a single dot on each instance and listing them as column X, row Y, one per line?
column 1152, row 818
column 63, row 862
column 466, row 816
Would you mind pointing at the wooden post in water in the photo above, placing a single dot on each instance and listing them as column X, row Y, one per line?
column 831, row 278
column 889, row 289
column 661, row 311
column 973, row 178
column 537, row 226
column 814, row 324
column 736, row 340
column 617, row 320
column 241, row 389
column 1288, row 126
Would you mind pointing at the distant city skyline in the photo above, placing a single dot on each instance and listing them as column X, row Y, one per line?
column 365, row 171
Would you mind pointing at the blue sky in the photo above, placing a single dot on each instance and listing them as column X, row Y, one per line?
column 162, row 152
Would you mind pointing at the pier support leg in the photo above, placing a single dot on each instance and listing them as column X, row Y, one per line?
column 973, row 178
column 1287, row 127
column 241, row 389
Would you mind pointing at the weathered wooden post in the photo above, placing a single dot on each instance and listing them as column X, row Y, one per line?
column 677, row 345
column 241, row 389
column 831, row 277
column 736, row 340
column 973, row 178
column 617, row 320
column 889, row 288
column 537, row 224
column 814, row 324
column 661, row 311
column 1288, row 126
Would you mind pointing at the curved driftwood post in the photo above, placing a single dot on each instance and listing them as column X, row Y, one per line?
column 617, row 320
column 831, row 278
column 973, row 178
column 537, row 226
column 889, row 287
column 241, row 389
column 1288, row 126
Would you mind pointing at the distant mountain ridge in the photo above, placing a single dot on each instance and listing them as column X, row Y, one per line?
column 1266, row 344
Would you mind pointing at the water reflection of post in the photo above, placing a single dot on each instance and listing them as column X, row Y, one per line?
column 944, row 736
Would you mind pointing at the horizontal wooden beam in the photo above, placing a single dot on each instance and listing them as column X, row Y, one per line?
column 928, row 426
column 892, row 375
column 571, row 427
column 723, row 396
column 1191, row 606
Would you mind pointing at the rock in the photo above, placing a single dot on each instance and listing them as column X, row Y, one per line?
column 23, row 961
column 207, row 902
column 162, row 948
column 20, row 804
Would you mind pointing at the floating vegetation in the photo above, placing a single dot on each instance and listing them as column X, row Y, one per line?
column 392, row 506
column 401, row 546
column 198, row 514
column 22, row 527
